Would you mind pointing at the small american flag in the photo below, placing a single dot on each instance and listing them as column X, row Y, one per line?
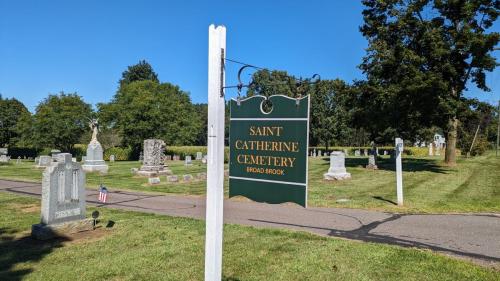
column 103, row 194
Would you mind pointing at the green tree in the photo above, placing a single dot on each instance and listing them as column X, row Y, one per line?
column 145, row 109
column 11, row 111
column 424, row 48
column 59, row 122
column 330, row 113
column 138, row 72
column 202, row 110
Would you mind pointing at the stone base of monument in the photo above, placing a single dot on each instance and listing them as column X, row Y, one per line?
column 43, row 232
column 91, row 166
column 336, row 176
column 372, row 167
column 150, row 171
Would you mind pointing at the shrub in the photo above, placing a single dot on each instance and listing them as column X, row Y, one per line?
column 120, row 153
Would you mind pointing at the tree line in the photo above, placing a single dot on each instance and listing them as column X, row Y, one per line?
column 421, row 57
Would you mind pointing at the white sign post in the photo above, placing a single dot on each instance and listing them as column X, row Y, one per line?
column 399, row 170
column 215, row 150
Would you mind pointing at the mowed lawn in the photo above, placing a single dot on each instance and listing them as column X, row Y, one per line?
column 429, row 186
column 137, row 246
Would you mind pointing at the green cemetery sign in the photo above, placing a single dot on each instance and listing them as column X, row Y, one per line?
column 268, row 150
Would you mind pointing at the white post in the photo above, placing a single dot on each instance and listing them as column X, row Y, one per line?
column 399, row 170
column 215, row 151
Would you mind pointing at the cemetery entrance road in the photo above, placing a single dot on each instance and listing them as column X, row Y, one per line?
column 470, row 236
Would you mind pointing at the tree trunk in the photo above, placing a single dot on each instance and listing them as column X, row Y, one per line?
column 451, row 142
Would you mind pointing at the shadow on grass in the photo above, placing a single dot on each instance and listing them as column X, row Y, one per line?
column 22, row 250
column 385, row 200
column 363, row 234
column 409, row 164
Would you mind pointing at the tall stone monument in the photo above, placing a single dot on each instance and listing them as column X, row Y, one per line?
column 337, row 169
column 154, row 159
column 95, row 161
column 63, row 200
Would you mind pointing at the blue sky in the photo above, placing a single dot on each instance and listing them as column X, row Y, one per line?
column 84, row 46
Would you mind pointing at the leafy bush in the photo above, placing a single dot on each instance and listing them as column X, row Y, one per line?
column 120, row 153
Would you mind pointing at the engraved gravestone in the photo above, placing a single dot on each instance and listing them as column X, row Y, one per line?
column 63, row 199
column 44, row 161
column 153, row 163
column 337, row 170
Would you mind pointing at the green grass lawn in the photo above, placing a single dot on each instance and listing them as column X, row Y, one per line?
column 151, row 247
column 472, row 186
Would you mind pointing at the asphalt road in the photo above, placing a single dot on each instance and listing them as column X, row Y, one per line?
column 471, row 236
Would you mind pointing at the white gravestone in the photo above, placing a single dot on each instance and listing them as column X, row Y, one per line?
column 199, row 155
column 44, row 161
column 372, row 162
column 18, row 161
column 188, row 161
column 95, row 156
column 337, row 170
column 111, row 158
column 431, row 151
column 4, row 158
column 63, row 199
column 357, row 152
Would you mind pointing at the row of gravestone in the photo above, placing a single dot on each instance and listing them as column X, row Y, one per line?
column 357, row 152
column 174, row 178
column 337, row 170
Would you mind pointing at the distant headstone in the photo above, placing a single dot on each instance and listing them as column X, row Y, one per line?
column 187, row 178
column 188, row 161
column 385, row 152
column 95, row 154
column 357, row 152
column 154, row 160
column 54, row 153
column 201, row 176
column 4, row 151
column 337, row 170
column 44, row 161
column 111, row 158
column 365, row 152
column 346, row 152
column 172, row 178
column 320, row 153
column 204, row 159
column 431, row 150
column 154, row 180
column 63, row 200
column 18, row 161
column 438, row 149
column 199, row 155
column 141, row 157
column 36, row 160
column 168, row 157
column 176, row 158
column 4, row 158
column 371, row 163
column 73, row 159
